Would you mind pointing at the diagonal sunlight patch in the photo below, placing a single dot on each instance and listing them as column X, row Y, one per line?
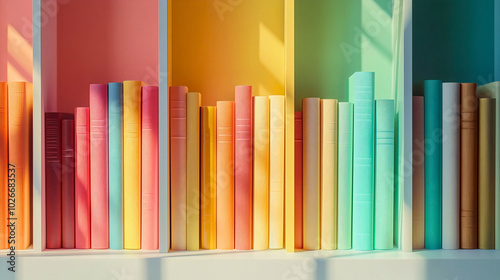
column 271, row 56
column 19, row 50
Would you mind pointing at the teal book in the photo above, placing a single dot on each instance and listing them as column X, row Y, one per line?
column 345, row 175
column 433, row 107
column 115, row 120
column 384, row 174
column 362, row 87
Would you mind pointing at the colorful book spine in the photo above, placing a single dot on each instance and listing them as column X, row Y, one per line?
column 298, row 181
column 132, row 164
column 486, row 186
column 193, row 171
column 451, row 166
column 243, row 168
column 261, row 173
column 362, row 88
column 418, row 181
column 4, row 162
column 276, row 171
column 384, row 174
column 346, row 110
column 149, row 169
column 208, row 178
column 177, row 101
column 82, row 178
column 225, row 175
column 68, row 183
column 311, row 173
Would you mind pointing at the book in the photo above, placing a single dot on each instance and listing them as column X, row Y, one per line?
column 361, row 86
column 276, row 171
column 311, row 173
column 82, row 178
column 193, row 170
column 177, row 100
column 99, row 222
column 225, row 175
column 68, row 183
column 115, row 168
column 4, row 163
column 384, row 174
column 149, row 169
column 243, row 168
column 208, row 186
column 132, row 164
column 346, row 110
column 260, row 173
column 468, row 166
column 298, row 181
column 329, row 180
column 418, row 179
column 486, row 172
column 451, row 166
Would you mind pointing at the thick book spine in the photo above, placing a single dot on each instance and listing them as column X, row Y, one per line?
column 4, row 162
column 276, row 171
column 418, row 181
column 363, row 179
column 328, row 136
column 261, row 173
column 193, row 171
column 346, row 110
column 225, row 175
column 149, row 179
column 311, row 173
column 132, row 164
column 177, row 100
column 208, row 178
column 486, row 186
column 68, row 183
column 99, row 222
column 82, row 178
column 384, row 174
column 243, row 168
column 451, row 166
column 468, row 168
column 298, row 181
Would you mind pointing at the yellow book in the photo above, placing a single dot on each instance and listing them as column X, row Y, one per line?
column 208, row 178
column 276, row 170
column 328, row 174
column 261, row 173
column 193, row 170
column 132, row 164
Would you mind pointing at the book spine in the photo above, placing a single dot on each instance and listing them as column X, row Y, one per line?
column 132, row 164
column 451, row 166
column 384, row 174
column 208, row 178
column 298, row 181
column 243, row 168
column 418, row 179
column 149, row 179
column 82, row 178
column 177, row 103
column 68, row 183
column 261, row 173
column 193, row 171
column 28, row 174
column 225, row 175
column 276, row 171
column 486, row 186
column 311, row 173
column 363, row 179
column 4, row 163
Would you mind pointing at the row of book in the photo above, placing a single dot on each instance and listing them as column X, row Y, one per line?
column 456, row 174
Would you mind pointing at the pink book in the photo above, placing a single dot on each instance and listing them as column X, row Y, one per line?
column 82, row 178
column 149, row 233
column 298, row 180
column 243, row 168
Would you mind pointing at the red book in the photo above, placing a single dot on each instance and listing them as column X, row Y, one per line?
column 82, row 178
column 298, row 180
column 68, row 184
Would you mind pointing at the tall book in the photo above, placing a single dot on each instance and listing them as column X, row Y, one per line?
column 311, row 173
column 276, row 171
column 298, row 180
column 149, row 169
column 451, row 166
column 82, row 178
column 418, row 173
column 4, row 162
column 193, row 171
column 260, row 173
column 208, row 186
column 115, row 168
column 177, row 101
column 329, row 180
column 243, row 168
column 346, row 110
column 132, row 164
column 225, row 175
column 468, row 167
column 361, row 86
column 384, row 174
column 68, row 183
column 486, row 186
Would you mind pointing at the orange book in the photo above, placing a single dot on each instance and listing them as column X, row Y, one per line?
column 4, row 159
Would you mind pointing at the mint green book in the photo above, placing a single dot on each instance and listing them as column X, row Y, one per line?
column 346, row 110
